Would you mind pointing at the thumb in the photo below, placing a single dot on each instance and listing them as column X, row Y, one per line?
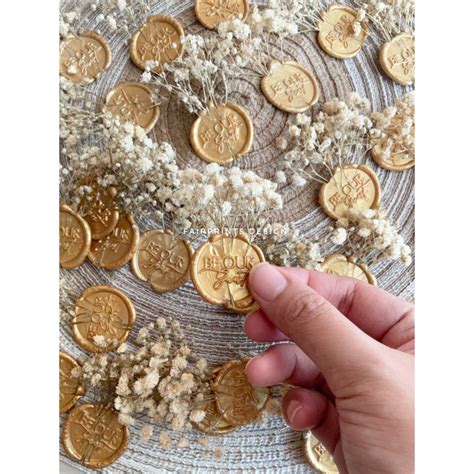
column 334, row 344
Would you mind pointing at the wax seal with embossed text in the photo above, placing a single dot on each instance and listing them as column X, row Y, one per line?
column 338, row 264
column 163, row 260
column 212, row 12
column 318, row 456
column 160, row 40
column 222, row 133
column 74, row 238
column 70, row 389
column 350, row 187
column 133, row 102
column 105, row 312
column 392, row 156
column 213, row 423
column 336, row 34
column 93, row 436
column 290, row 87
column 220, row 269
column 84, row 58
column 397, row 59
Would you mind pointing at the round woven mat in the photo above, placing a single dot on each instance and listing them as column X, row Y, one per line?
column 215, row 333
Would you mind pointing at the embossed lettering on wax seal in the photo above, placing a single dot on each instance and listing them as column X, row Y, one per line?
column 163, row 260
column 102, row 311
column 70, row 390
column 341, row 265
column 351, row 187
column 317, row 455
column 133, row 102
column 222, row 133
column 237, row 400
column 84, row 58
column 290, row 87
column 213, row 423
column 397, row 59
column 74, row 238
column 212, row 12
column 220, row 270
column 93, row 436
column 160, row 39
column 118, row 248
column 336, row 32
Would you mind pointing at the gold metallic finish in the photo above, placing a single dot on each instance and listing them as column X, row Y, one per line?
column 212, row 12
column 317, row 455
column 93, row 436
column 70, row 390
column 290, row 87
column 222, row 133
column 159, row 39
column 236, row 399
column 341, row 265
column 83, row 58
column 102, row 311
column 213, row 423
column 397, row 59
column 74, row 238
column 351, row 187
column 399, row 159
column 118, row 248
column 336, row 36
column 133, row 102
column 220, row 270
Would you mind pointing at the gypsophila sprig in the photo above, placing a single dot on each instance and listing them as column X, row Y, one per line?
column 198, row 77
column 157, row 376
column 388, row 18
column 394, row 129
column 315, row 147
column 225, row 198
column 369, row 236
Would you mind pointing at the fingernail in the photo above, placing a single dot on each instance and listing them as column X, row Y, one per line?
column 293, row 408
column 267, row 282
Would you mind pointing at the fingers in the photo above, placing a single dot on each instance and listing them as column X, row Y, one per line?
column 370, row 308
column 283, row 363
column 334, row 343
column 259, row 328
column 305, row 409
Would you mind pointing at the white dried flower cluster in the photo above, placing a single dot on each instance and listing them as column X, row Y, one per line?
column 285, row 246
column 388, row 18
column 199, row 76
column 370, row 237
column 224, row 198
column 394, row 129
column 67, row 297
column 159, row 379
column 338, row 135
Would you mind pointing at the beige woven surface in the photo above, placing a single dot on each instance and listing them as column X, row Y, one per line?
column 216, row 334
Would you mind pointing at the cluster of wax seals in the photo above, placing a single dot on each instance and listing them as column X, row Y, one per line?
column 231, row 401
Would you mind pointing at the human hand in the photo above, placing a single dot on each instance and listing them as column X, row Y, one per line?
column 351, row 358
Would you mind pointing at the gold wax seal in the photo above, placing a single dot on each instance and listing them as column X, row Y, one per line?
column 222, row 133
column 160, row 39
column 290, row 87
column 236, row 399
column 100, row 211
column 102, row 311
column 397, row 59
column 118, row 248
column 317, row 455
column 70, row 390
column 213, row 423
column 351, row 187
column 163, row 260
column 341, row 265
column 93, row 436
column 74, row 238
column 84, row 58
column 133, row 102
column 399, row 159
column 336, row 35
column 212, row 12
column 220, row 270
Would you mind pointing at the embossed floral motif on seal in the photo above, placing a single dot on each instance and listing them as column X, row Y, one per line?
column 212, row 12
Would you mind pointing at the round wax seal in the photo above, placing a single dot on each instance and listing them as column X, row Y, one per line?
column 341, row 265
column 74, row 238
column 397, row 59
column 317, row 455
column 212, row 12
column 70, row 390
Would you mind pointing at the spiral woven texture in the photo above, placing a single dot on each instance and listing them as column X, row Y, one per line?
column 215, row 333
